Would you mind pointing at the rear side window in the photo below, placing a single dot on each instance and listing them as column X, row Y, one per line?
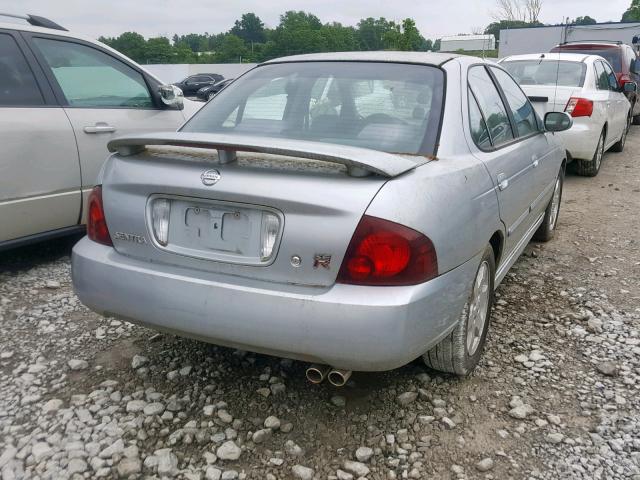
column 611, row 78
column 611, row 55
column 491, row 106
column 521, row 109
column 18, row 86
column 91, row 78
column 479, row 130
column 602, row 81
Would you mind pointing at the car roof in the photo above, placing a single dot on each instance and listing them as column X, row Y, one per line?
column 568, row 57
column 424, row 58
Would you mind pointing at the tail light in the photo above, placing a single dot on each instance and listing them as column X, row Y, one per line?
column 97, row 229
column 385, row 253
column 579, row 107
column 623, row 78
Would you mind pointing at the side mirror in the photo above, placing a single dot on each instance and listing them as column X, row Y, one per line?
column 171, row 96
column 629, row 87
column 557, row 122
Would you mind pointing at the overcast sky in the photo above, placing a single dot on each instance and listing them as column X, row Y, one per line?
column 435, row 18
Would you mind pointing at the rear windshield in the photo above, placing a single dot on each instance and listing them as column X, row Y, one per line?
column 547, row 72
column 389, row 107
column 611, row 55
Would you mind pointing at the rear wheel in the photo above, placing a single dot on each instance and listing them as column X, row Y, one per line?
column 590, row 168
column 460, row 351
column 548, row 226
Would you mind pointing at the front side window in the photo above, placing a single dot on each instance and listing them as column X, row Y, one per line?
column 491, row 105
column 389, row 107
column 91, row 78
column 17, row 84
column 547, row 72
column 521, row 108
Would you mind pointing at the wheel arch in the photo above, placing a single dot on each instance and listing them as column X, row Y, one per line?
column 497, row 244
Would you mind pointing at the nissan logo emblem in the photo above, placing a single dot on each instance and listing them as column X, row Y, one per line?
column 210, row 177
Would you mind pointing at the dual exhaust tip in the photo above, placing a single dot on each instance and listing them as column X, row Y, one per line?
column 336, row 377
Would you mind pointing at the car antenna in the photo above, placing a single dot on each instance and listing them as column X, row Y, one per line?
column 563, row 32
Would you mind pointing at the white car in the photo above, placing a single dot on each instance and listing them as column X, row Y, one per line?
column 62, row 98
column 585, row 87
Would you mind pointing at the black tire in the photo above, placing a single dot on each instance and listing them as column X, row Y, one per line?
column 547, row 228
column 618, row 147
column 590, row 168
column 451, row 355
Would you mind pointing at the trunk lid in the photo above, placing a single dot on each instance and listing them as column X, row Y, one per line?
column 548, row 98
column 218, row 210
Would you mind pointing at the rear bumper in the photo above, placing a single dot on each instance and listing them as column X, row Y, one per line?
column 581, row 139
column 346, row 326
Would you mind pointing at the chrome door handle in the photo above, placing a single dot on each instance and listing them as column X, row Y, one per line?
column 99, row 127
column 536, row 162
column 503, row 182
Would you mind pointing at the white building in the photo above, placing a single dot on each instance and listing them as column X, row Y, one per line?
column 520, row 41
column 467, row 43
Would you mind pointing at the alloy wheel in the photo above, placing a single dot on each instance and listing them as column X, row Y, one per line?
column 599, row 153
column 478, row 307
column 555, row 205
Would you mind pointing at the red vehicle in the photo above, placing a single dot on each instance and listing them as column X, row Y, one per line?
column 622, row 58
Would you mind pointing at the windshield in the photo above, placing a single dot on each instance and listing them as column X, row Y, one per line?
column 382, row 106
column 546, row 72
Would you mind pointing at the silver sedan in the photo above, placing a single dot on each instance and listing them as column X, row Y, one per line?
column 353, row 210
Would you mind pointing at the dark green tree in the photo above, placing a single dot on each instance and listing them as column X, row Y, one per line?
column 298, row 32
column 404, row 37
column 339, row 38
column 495, row 27
column 131, row 44
column 586, row 20
column 159, row 50
column 232, row 50
column 633, row 12
column 249, row 28
column 370, row 32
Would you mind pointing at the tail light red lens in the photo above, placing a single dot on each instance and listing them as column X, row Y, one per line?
column 385, row 253
column 579, row 107
column 97, row 229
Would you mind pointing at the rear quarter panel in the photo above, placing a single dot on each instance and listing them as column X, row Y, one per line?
column 452, row 200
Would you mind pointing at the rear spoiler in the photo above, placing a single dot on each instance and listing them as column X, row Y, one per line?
column 359, row 161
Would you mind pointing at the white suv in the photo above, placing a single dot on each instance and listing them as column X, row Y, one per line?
column 62, row 98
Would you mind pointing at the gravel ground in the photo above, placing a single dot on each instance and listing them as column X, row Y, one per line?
column 556, row 396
